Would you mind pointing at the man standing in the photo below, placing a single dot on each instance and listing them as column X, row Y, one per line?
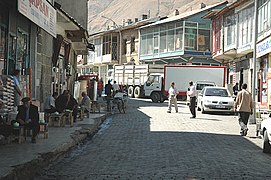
column 115, row 88
column 108, row 91
column 192, row 95
column 28, row 116
column 172, row 97
column 17, row 88
column 243, row 105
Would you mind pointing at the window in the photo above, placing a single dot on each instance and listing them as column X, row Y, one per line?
column 179, row 39
column 190, row 39
column 170, row 41
column 106, row 44
column 124, row 46
column 155, row 43
column 98, row 51
column 149, row 43
column 143, row 42
column 204, row 40
column 163, row 40
column 132, row 44
column 230, row 25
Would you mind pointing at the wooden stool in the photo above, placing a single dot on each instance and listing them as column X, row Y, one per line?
column 44, row 130
column 95, row 106
column 68, row 117
column 20, row 134
column 56, row 118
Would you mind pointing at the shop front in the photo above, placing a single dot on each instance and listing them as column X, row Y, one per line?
column 264, row 72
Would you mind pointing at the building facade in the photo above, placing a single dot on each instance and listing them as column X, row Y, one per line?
column 181, row 39
column 26, row 43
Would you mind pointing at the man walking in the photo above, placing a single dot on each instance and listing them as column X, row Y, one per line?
column 192, row 95
column 172, row 98
column 243, row 105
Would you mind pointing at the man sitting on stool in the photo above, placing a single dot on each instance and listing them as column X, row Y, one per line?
column 28, row 116
column 85, row 103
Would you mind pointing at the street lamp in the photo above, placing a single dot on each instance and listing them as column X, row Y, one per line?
column 118, row 28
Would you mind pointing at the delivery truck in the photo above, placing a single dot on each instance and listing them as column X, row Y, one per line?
column 157, row 85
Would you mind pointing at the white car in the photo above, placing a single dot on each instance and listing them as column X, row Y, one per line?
column 265, row 131
column 215, row 99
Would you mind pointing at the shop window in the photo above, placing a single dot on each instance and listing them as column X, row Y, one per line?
column 11, row 53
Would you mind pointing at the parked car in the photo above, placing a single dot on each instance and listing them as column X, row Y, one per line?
column 215, row 99
column 265, row 131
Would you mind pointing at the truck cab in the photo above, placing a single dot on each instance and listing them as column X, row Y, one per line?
column 153, row 87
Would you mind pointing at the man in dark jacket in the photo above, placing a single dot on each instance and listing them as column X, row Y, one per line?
column 28, row 116
column 108, row 91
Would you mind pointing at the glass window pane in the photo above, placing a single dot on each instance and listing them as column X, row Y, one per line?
column 179, row 24
column 143, row 46
column 149, row 44
column 204, row 40
column 190, row 39
column 163, row 40
column 170, row 40
column 179, row 39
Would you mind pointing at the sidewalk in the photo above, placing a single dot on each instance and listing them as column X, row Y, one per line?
column 19, row 161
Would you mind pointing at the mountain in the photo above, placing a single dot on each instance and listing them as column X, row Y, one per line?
column 122, row 10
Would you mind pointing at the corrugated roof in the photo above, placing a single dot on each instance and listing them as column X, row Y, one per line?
column 184, row 15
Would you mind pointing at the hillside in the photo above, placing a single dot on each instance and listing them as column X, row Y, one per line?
column 121, row 10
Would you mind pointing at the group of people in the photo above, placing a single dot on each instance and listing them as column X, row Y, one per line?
column 28, row 114
column 243, row 103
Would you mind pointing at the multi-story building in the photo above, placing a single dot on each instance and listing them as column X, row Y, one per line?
column 233, row 33
column 119, row 45
column 181, row 39
column 27, row 29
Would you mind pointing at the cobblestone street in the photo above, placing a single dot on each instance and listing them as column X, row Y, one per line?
column 148, row 143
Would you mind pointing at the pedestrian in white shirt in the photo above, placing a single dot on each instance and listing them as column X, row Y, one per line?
column 192, row 94
column 115, row 88
column 172, row 97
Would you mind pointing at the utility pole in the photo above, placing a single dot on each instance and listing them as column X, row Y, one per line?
column 253, row 119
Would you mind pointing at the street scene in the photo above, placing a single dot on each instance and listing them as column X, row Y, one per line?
column 148, row 143
column 120, row 89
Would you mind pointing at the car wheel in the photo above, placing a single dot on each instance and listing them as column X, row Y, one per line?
column 266, row 144
column 155, row 97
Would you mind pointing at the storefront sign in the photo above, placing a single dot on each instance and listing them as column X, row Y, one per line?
column 40, row 12
column 264, row 47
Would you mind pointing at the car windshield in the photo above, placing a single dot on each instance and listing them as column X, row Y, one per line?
column 216, row 92
column 201, row 86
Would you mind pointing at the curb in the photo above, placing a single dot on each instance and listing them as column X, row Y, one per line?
column 29, row 169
